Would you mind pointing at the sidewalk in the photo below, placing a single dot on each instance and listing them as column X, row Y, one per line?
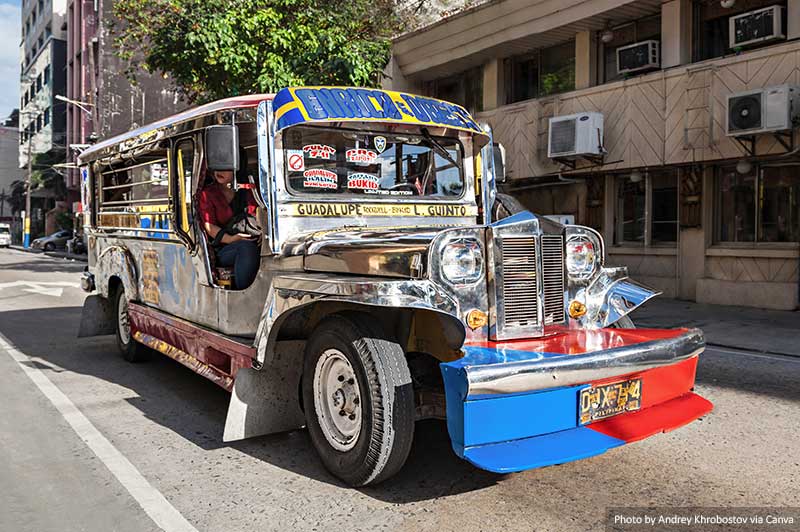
column 55, row 254
column 769, row 331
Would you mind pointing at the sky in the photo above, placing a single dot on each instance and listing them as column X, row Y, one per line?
column 10, row 26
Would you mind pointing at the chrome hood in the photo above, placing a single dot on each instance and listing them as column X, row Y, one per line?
column 385, row 252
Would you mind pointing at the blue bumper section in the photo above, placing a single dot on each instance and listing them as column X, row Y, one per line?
column 540, row 451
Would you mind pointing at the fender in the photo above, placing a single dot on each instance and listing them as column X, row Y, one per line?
column 611, row 296
column 116, row 261
column 98, row 317
column 292, row 291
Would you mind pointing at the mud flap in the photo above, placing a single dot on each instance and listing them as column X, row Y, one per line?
column 97, row 317
column 267, row 401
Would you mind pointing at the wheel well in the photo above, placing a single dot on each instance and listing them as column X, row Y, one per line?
column 113, row 283
column 416, row 330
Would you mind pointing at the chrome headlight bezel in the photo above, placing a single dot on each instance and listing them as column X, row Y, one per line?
column 462, row 261
column 578, row 236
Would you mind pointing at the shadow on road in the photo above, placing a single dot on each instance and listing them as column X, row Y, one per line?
column 193, row 407
column 45, row 266
column 776, row 376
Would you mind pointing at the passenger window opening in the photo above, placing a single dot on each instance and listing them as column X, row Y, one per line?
column 227, row 216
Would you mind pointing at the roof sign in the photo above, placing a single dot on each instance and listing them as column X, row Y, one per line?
column 298, row 105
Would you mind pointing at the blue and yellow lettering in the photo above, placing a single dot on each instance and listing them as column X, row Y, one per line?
column 330, row 104
column 416, row 109
column 311, row 103
column 365, row 108
column 348, row 109
column 390, row 110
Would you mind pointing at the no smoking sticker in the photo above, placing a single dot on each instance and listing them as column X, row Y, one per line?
column 295, row 161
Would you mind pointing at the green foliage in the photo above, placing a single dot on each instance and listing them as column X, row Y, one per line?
column 217, row 48
column 64, row 220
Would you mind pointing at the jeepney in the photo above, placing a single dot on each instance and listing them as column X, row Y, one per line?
column 395, row 285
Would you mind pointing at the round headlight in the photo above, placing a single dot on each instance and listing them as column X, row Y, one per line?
column 581, row 257
column 462, row 261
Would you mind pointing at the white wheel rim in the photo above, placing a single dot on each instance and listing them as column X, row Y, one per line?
column 337, row 400
column 124, row 324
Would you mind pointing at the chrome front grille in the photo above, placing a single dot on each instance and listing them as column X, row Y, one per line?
column 519, row 281
column 530, row 284
column 553, row 278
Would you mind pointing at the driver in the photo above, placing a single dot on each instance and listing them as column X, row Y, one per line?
column 238, row 250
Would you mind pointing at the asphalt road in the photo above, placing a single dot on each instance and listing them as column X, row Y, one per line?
column 166, row 423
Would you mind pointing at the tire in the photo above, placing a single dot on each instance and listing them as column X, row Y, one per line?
column 353, row 367
column 625, row 322
column 505, row 206
column 49, row 247
column 130, row 349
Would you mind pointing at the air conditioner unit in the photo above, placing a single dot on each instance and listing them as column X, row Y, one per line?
column 756, row 26
column 644, row 55
column 575, row 135
column 762, row 110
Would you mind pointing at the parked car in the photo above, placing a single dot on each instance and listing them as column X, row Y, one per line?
column 57, row 240
column 5, row 235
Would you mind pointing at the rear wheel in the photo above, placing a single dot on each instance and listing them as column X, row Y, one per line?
column 130, row 349
column 358, row 398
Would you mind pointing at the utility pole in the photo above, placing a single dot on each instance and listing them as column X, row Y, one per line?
column 26, row 223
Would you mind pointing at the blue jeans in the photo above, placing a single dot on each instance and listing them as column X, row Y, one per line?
column 243, row 256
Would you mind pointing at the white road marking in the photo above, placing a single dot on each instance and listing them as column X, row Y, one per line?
column 45, row 288
column 149, row 498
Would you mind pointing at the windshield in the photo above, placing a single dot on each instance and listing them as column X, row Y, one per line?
column 4, row 230
column 326, row 161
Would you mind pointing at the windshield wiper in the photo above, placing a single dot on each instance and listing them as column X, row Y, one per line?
column 438, row 148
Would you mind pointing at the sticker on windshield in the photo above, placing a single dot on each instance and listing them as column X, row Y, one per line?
column 362, row 181
column 380, row 143
column 319, row 151
column 360, row 155
column 295, row 161
column 319, row 178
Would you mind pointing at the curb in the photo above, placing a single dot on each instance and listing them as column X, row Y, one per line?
column 52, row 254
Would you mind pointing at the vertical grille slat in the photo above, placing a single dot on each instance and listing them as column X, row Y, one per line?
column 519, row 281
column 553, row 278
column 522, row 282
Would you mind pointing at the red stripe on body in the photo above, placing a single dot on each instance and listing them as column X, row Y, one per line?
column 667, row 403
column 580, row 341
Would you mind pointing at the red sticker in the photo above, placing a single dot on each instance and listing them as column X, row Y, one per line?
column 319, row 178
column 295, row 161
column 319, row 151
column 362, row 181
column 360, row 155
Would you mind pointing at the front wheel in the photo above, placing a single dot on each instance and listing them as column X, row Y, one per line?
column 358, row 398
column 49, row 246
column 130, row 349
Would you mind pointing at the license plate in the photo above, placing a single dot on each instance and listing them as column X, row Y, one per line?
column 608, row 400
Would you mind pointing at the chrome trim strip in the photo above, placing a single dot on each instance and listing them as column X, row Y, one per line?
column 569, row 370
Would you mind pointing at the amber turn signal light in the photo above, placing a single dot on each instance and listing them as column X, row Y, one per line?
column 576, row 309
column 476, row 319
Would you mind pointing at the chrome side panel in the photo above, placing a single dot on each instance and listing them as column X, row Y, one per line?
column 292, row 291
column 266, row 402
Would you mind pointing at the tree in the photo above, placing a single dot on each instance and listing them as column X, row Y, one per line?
column 218, row 48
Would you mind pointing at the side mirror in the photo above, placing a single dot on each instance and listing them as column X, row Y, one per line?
column 499, row 153
column 222, row 148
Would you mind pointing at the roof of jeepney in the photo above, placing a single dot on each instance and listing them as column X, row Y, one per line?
column 235, row 102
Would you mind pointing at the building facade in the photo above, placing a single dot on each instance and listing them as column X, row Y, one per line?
column 9, row 166
column 689, row 209
column 104, row 102
column 42, row 121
